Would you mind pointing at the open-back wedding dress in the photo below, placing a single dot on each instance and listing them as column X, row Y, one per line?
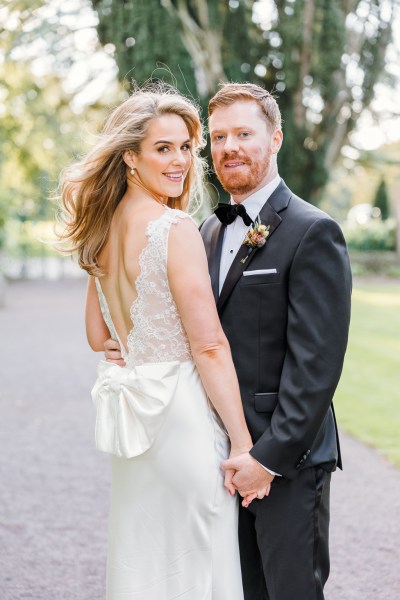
column 173, row 526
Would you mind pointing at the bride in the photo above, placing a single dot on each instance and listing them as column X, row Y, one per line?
column 173, row 524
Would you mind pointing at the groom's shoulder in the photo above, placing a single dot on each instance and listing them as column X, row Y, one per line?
column 305, row 213
column 303, row 219
column 295, row 209
column 208, row 225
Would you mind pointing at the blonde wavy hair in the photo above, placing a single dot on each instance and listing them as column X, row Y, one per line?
column 91, row 189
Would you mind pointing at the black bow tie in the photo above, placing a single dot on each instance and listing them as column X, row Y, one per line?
column 227, row 213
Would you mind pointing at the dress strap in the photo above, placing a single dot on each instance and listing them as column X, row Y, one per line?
column 107, row 317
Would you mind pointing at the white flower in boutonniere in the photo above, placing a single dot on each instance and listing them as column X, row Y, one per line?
column 255, row 237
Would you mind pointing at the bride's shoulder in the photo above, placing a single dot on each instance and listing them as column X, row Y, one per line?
column 182, row 221
column 185, row 233
column 185, row 246
column 156, row 219
column 175, row 215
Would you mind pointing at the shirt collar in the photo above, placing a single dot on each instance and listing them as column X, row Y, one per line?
column 254, row 203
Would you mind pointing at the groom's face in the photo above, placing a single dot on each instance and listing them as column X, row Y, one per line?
column 243, row 147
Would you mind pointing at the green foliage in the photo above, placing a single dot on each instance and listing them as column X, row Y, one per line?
column 36, row 141
column 146, row 42
column 240, row 44
column 373, row 235
column 30, row 239
column 368, row 397
column 382, row 200
column 39, row 132
column 375, row 263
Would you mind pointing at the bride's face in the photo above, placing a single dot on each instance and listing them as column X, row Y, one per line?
column 165, row 156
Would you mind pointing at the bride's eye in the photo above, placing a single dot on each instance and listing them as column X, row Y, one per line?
column 163, row 149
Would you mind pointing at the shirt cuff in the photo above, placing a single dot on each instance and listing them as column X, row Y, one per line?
column 269, row 470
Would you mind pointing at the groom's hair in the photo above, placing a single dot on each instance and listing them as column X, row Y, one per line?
column 236, row 92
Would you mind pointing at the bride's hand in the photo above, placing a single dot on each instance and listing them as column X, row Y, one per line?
column 112, row 352
column 228, row 481
column 248, row 497
column 235, row 451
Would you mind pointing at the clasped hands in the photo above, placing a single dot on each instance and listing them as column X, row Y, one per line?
column 245, row 474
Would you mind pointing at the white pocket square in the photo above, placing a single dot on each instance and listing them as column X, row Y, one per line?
column 260, row 272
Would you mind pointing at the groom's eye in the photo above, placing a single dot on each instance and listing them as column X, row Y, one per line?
column 217, row 137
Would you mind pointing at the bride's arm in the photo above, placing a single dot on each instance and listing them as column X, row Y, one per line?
column 96, row 329
column 190, row 286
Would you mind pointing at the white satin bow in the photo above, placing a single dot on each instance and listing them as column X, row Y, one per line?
column 131, row 405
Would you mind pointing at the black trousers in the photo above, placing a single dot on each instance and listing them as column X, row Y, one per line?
column 284, row 539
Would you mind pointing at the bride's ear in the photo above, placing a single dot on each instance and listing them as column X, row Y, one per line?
column 129, row 158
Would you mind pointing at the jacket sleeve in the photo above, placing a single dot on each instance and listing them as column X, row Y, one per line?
column 317, row 330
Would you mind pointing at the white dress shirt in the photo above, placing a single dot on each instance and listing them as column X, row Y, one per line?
column 235, row 232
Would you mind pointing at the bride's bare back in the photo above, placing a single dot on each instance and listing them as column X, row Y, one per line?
column 119, row 259
column 135, row 296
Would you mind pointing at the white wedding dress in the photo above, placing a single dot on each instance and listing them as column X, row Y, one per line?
column 173, row 526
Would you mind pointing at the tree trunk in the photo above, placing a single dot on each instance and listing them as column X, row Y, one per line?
column 202, row 42
column 305, row 63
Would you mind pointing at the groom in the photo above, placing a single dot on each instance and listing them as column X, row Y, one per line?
column 285, row 308
column 284, row 303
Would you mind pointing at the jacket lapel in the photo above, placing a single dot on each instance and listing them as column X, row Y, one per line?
column 214, row 257
column 269, row 216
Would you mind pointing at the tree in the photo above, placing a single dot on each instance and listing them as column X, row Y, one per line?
column 332, row 55
column 38, row 128
column 322, row 57
column 136, row 29
column 382, row 200
column 36, row 140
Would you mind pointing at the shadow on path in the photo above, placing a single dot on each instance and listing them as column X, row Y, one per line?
column 55, row 486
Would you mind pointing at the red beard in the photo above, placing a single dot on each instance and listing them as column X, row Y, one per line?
column 246, row 179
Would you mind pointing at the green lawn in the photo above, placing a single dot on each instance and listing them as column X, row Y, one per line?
column 368, row 397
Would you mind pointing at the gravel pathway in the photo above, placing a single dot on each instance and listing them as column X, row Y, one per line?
column 54, row 486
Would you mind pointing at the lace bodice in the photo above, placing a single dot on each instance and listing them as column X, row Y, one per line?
column 157, row 333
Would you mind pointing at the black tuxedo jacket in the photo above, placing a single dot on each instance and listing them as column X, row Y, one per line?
column 288, row 330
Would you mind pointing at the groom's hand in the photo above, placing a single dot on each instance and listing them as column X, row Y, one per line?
column 112, row 352
column 249, row 474
column 248, row 497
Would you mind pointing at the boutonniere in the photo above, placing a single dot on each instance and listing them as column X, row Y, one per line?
column 255, row 237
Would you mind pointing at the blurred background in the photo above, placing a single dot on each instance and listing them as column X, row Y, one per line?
column 334, row 66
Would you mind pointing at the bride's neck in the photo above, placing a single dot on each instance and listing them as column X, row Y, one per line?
column 137, row 191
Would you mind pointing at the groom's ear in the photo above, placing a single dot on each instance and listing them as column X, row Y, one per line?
column 276, row 141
